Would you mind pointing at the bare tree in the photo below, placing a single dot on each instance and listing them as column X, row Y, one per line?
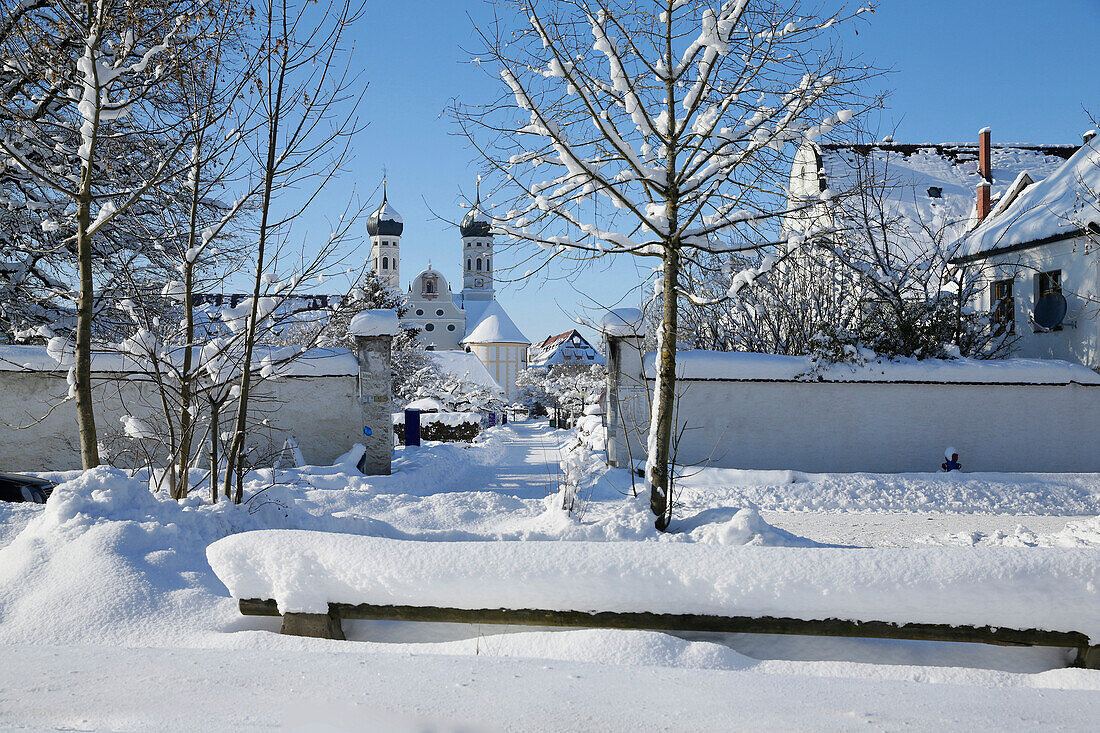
column 92, row 122
column 308, row 104
column 673, row 116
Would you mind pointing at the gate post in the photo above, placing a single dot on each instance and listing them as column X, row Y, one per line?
column 374, row 331
column 624, row 332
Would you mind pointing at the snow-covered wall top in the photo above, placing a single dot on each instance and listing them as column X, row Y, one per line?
column 305, row 571
column 286, row 361
column 623, row 322
column 374, row 323
column 1060, row 204
column 740, row 366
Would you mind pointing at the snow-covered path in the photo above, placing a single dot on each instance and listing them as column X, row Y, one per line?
column 526, row 466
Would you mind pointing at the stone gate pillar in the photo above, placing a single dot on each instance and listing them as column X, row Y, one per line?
column 374, row 331
column 626, row 400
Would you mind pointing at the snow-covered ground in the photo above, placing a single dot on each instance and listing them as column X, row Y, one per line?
column 111, row 618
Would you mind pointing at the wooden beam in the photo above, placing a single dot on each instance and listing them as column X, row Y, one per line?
column 698, row 622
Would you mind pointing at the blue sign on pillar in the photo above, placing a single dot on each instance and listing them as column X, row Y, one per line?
column 492, row 419
column 412, row 427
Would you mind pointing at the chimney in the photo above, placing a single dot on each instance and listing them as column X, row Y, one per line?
column 983, row 201
column 1088, row 136
column 985, row 167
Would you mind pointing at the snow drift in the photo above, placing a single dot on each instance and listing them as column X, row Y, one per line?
column 1056, row 589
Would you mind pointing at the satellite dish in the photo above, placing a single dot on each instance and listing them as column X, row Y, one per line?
column 1050, row 311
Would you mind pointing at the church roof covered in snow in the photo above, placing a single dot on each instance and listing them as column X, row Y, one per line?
column 385, row 221
column 930, row 187
column 462, row 365
column 495, row 327
column 1054, row 208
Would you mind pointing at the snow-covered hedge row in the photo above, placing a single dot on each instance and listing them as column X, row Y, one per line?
column 1052, row 589
column 447, row 427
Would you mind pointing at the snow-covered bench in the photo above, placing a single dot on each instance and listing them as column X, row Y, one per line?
column 1010, row 596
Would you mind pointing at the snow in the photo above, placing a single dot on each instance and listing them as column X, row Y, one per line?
column 495, row 327
column 426, row 404
column 910, row 170
column 137, row 428
column 450, row 419
column 305, row 571
column 1057, row 205
column 466, row 366
column 110, row 584
column 772, row 367
column 568, row 681
column 287, row 361
column 374, row 323
column 623, row 322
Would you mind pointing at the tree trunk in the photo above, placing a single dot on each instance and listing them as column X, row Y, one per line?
column 85, row 417
column 234, row 465
column 214, row 472
column 664, row 398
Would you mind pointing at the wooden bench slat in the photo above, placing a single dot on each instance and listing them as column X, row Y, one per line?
column 1088, row 656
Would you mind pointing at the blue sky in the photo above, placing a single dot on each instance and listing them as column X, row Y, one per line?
column 1026, row 69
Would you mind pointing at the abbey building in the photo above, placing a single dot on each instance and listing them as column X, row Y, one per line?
column 471, row 320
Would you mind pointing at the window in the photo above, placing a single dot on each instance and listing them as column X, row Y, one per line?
column 1048, row 282
column 1002, row 307
column 451, row 327
column 429, row 327
column 469, row 264
column 439, row 311
column 487, row 267
column 429, row 286
column 419, row 311
column 479, row 264
column 385, row 263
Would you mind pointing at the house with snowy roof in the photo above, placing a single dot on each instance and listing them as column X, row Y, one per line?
column 564, row 348
column 1035, row 247
column 471, row 320
column 931, row 191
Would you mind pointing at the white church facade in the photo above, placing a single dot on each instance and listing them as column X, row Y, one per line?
column 470, row 320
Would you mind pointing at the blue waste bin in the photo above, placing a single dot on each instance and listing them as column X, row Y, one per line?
column 412, row 427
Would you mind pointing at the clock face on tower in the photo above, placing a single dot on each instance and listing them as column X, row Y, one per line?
column 478, row 282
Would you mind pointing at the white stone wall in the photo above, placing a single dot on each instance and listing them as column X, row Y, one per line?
column 880, row 427
column 324, row 414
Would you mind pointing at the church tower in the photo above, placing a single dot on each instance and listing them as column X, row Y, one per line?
column 384, row 227
column 477, row 255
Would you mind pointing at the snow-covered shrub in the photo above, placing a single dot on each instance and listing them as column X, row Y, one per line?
column 565, row 387
column 592, row 433
column 581, row 467
column 446, row 427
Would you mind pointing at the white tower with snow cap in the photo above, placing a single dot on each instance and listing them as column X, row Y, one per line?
column 384, row 226
column 477, row 254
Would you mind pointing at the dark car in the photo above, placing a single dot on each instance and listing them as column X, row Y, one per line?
column 17, row 487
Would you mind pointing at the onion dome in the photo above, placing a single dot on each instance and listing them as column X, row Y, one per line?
column 476, row 223
column 385, row 221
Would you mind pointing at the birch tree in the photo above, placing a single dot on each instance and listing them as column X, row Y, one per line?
column 656, row 129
